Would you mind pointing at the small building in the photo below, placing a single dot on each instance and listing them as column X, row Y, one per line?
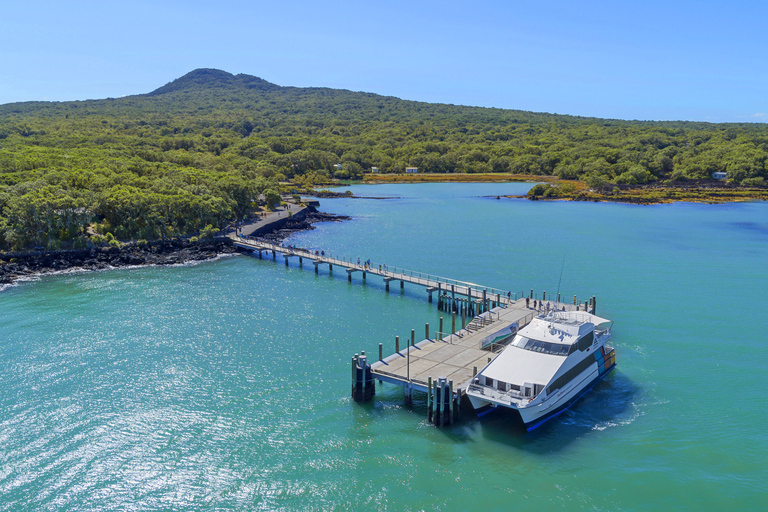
column 719, row 175
column 412, row 169
column 374, row 169
column 337, row 166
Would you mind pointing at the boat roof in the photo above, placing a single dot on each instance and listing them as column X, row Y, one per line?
column 561, row 326
column 518, row 366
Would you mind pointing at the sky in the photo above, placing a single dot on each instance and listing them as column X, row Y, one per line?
column 651, row 60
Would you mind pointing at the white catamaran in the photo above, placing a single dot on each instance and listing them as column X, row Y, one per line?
column 549, row 365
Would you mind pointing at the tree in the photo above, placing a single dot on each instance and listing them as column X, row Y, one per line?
column 271, row 198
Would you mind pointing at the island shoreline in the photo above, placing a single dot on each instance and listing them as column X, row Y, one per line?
column 22, row 266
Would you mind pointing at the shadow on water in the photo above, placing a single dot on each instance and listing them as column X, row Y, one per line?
column 751, row 226
column 610, row 404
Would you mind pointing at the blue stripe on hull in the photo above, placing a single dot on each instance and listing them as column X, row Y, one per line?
column 569, row 403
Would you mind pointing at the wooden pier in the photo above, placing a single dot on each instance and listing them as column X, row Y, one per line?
column 443, row 362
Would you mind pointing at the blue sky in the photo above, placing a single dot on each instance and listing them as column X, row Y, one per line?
column 651, row 60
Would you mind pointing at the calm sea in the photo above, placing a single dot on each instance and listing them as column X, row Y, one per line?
column 225, row 385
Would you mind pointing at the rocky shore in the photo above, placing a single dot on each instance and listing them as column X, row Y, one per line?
column 161, row 252
column 14, row 266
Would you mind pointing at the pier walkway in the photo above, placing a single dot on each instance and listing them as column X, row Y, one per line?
column 441, row 285
column 441, row 365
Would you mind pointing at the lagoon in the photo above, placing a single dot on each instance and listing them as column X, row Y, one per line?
column 225, row 385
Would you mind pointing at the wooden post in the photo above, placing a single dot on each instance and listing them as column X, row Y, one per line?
column 453, row 323
column 458, row 404
column 430, row 397
column 413, row 337
column 440, row 332
column 435, row 399
column 397, row 344
column 402, row 284
column 426, row 331
column 543, row 295
column 450, row 402
column 381, row 352
column 441, row 409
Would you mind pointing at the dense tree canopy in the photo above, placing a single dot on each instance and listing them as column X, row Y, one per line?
column 198, row 151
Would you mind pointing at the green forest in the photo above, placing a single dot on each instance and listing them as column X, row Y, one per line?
column 195, row 154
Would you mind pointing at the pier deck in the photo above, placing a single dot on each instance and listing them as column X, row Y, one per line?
column 455, row 356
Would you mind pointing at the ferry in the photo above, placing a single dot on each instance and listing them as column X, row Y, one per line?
column 549, row 364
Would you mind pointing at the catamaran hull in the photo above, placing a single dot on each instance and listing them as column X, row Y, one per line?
column 533, row 417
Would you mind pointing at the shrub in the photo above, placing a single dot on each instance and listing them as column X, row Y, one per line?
column 596, row 181
column 753, row 182
column 114, row 243
column 194, row 240
column 208, row 232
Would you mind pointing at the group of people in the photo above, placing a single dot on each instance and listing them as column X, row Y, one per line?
column 539, row 304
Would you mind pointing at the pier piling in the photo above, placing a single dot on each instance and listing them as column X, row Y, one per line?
column 442, row 407
column 430, row 396
column 363, row 385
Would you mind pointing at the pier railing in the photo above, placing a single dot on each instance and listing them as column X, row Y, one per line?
column 444, row 285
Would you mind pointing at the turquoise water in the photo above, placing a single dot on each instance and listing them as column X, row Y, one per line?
column 225, row 385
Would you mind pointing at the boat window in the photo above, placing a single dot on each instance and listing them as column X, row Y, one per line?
column 586, row 341
column 572, row 373
column 544, row 347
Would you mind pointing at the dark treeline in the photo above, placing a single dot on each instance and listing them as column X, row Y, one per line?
column 194, row 154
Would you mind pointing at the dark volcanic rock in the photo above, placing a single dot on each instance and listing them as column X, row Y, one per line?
column 160, row 252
